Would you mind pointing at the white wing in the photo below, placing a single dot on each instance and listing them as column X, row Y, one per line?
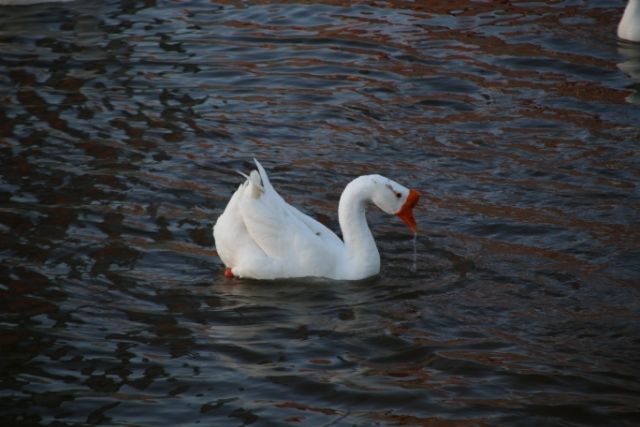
column 283, row 232
column 259, row 235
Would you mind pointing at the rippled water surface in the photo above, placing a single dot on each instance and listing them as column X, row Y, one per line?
column 121, row 127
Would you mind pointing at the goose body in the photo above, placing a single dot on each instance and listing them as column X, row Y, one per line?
column 629, row 26
column 261, row 236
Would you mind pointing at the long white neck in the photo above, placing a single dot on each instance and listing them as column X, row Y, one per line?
column 362, row 257
column 629, row 27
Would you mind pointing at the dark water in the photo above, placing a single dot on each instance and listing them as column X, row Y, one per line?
column 120, row 128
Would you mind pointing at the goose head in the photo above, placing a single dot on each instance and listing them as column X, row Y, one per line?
column 395, row 199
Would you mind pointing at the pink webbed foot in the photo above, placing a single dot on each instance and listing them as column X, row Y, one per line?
column 228, row 273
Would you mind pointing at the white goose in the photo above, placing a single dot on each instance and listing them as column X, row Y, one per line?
column 261, row 236
column 629, row 26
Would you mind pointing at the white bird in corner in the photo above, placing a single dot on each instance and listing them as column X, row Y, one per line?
column 629, row 26
column 260, row 236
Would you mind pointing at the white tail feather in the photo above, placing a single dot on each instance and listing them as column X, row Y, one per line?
column 256, row 184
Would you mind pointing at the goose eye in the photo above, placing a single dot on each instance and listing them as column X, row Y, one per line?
column 398, row 195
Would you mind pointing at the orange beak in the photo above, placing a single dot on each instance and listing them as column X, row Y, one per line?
column 406, row 211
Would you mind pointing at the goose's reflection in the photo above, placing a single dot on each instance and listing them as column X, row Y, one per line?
column 631, row 67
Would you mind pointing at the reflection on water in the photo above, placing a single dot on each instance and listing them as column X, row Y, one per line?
column 631, row 66
column 122, row 123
